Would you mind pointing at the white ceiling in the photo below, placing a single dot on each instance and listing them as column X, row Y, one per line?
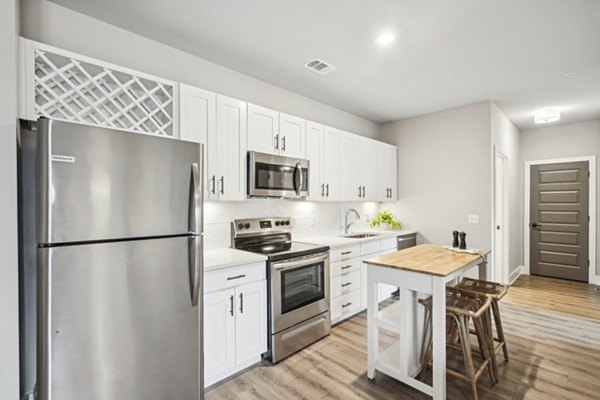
column 448, row 53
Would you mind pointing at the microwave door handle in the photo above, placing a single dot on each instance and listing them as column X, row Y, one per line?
column 298, row 172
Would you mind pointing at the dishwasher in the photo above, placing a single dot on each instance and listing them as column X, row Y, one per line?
column 404, row 242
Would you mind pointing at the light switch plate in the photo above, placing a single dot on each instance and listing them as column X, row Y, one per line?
column 473, row 218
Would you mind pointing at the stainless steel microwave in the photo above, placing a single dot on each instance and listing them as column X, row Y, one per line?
column 277, row 176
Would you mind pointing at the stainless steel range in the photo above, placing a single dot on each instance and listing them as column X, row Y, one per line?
column 298, row 282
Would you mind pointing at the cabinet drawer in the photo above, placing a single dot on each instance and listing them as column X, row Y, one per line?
column 388, row 244
column 344, row 267
column 345, row 304
column 370, row 247
column 234, row 276
column 345, row 283
column 344, row 253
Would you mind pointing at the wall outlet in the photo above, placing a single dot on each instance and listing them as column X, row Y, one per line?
column 473, row 218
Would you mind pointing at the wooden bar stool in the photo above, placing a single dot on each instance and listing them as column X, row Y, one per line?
column 496, row 291
column 461, row 308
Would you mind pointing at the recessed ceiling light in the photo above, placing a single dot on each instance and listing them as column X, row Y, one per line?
column 385, row 38
column 546, row 116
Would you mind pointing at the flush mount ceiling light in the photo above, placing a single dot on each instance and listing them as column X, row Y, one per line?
column 385, row 38
column 546, row 116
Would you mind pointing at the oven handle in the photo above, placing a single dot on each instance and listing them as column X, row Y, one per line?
column 285, row 265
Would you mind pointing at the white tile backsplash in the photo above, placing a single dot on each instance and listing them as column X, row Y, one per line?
column 308, row 218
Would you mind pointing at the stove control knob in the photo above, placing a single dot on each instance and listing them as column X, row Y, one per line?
column 240, row 226
column 247, row 225
column 287, row 222
column 277, row 223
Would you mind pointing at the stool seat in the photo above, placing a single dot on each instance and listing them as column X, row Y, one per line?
column 484, row 287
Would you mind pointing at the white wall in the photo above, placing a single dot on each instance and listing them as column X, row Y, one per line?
column 505, row 138
column 9, row 333
column 444, row 173
column 308, row 218
column 560, row 141
column 58, row 26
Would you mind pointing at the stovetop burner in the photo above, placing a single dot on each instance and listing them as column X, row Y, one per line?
column 271, row 237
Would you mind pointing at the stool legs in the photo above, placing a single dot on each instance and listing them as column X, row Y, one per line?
column 499, row 330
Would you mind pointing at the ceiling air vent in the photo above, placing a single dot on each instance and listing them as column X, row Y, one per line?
column 319, row 66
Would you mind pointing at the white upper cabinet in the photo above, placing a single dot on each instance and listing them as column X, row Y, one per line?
column 227, row 151
column 350, row 185
column 197, row 113
column 330, row 164
column 369, row 169
column 272, row 132
column 292, row 133
column 263, row 130
column 198, row 121
column 387, row 159
column 314, row 146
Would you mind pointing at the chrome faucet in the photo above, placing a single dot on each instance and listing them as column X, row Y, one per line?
column 346, row 224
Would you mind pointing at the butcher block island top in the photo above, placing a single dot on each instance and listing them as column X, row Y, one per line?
column 430, row 259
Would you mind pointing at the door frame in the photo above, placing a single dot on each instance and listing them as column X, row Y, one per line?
column 592, row 277
column 501, row 273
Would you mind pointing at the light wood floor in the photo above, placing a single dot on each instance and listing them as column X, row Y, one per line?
column 553, row 333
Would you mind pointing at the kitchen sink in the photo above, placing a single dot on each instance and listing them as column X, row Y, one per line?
column 360, row 235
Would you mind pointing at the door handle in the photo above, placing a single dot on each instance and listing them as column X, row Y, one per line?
column 241, row 303
column 347, row 266
column 327, row 186
column 535, row 225
column 222, row 184
column 195, row 255
column 213, row 184
column 346, row 284
column 322, row 190
column 276, row 142
column 363, row 192
column 195, row 212
column 230, row 278
column 283, row 143
column 298, row 172
column 347, row 304
column 231, row 305
column 390, row 193
column 359, row 192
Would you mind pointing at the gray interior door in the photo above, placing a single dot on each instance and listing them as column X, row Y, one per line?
column 118, row 322
column 559, row 225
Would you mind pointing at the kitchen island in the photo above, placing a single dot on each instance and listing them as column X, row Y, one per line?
column 418, row 272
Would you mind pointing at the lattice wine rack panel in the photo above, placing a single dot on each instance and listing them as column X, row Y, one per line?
column 75, row 88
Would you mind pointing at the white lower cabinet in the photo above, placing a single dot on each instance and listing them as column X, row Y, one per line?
column 235, row 320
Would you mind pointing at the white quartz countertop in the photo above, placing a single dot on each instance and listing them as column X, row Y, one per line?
column 339, row 241
column 223, row 258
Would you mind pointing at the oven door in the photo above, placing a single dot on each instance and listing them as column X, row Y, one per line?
column 276, row 176
column 299, row 290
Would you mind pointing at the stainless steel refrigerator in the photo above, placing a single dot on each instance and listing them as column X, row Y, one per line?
column 110, row 264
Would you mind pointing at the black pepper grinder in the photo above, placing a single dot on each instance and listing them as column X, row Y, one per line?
column 455, row 239
column 463, row 241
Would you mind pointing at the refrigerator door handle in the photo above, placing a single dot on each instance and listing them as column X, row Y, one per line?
column 195, row 248
column 195, row 213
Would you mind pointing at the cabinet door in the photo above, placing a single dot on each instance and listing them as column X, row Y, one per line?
column 387, row 167
column 219, row 334
column 314, row 142
column 369, row 169
column 292, row 132
column 231, row 149
column 263, row 130
column 330, row 163
column 198, row 121
column 349, row 167
column 251, row 321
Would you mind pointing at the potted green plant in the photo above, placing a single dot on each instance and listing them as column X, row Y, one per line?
column 385, row 220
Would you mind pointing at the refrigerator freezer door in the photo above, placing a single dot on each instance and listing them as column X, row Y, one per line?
column 117, row 322
column 96, row 184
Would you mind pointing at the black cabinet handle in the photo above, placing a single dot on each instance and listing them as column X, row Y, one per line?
column 346, row 305
column 230, row 278
column 231, row 307
column 346, row 252
column 241, row 303
column 346, row 284
column 347, row 266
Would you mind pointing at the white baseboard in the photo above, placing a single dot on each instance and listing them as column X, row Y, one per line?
column 595, row 280
column 515, row 274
